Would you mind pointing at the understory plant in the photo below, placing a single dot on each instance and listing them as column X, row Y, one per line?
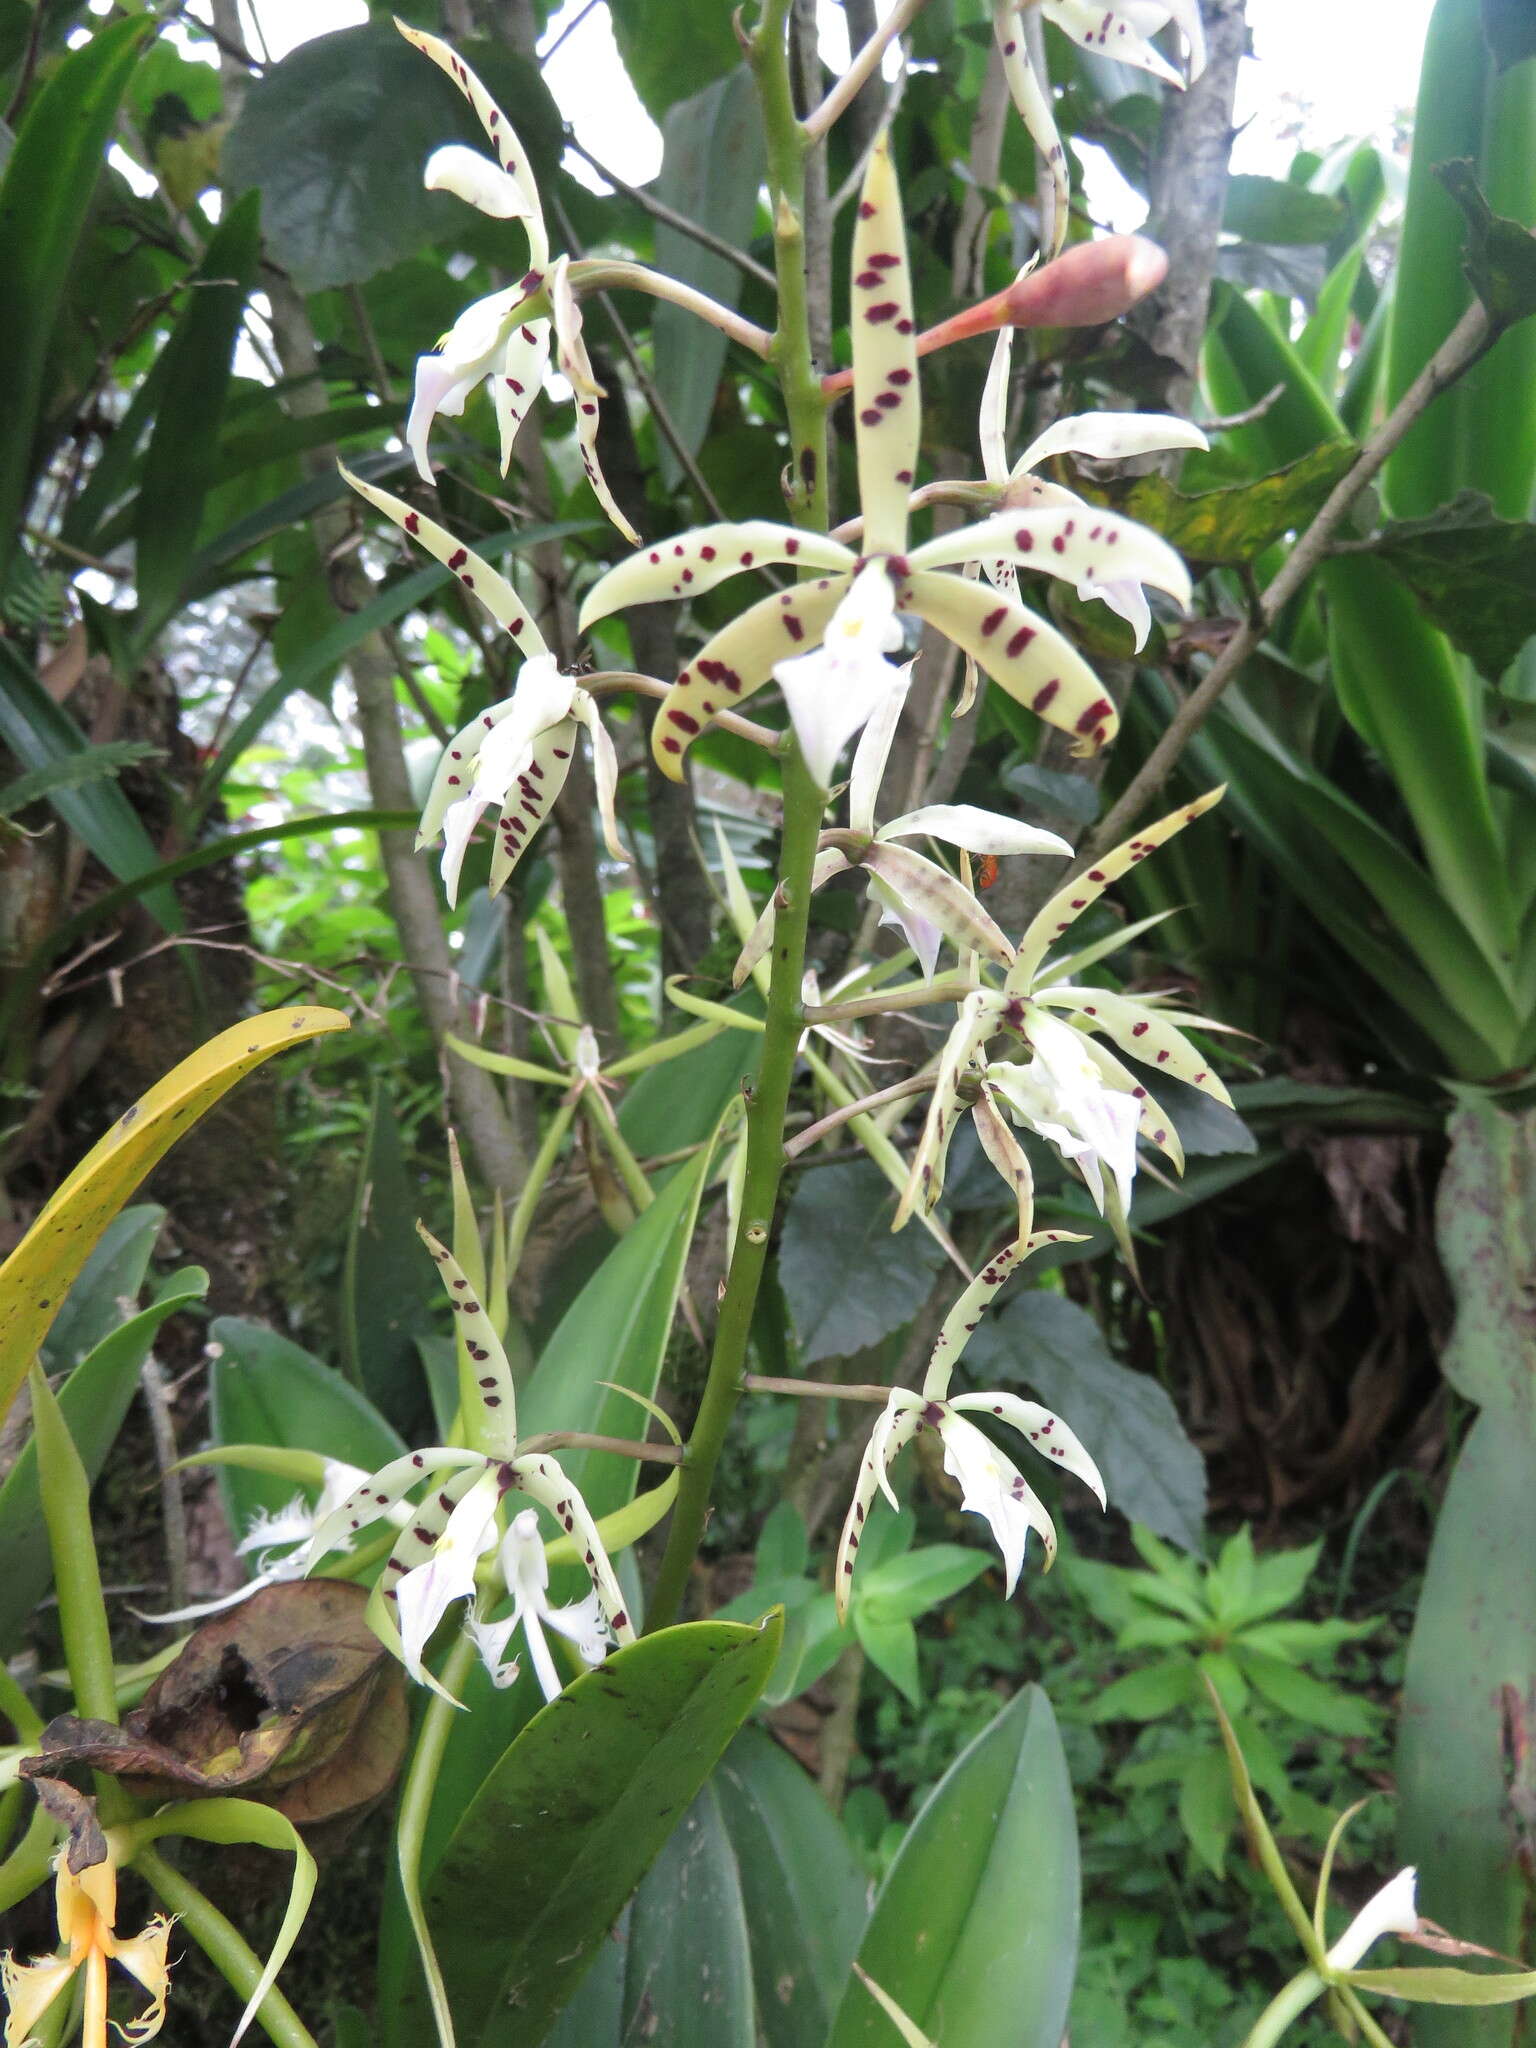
column 461, row 1597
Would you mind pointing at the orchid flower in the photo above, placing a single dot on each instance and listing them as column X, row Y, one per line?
column 514, row 758
column 525, row 1571
column 1392, row 1910
column 453, row 1523
column 829, row 641
column 85, row 1900
column 1074, row 1092
column 992, row 1486
column 494, row 341
column 924, row 901
column 1122, row 29
column 1104, row 436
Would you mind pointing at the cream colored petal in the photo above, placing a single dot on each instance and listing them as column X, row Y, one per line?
column 698, row 560
column 1048, row 1434
column 476, row 180
column 1034, row 107
column 887, row 412
column 1081, row 543
column 510, row 153
column 1112, row 436
column 30, row 1989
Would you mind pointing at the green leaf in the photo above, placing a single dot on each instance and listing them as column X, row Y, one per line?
column 388, row 1282
column 1152, row 1472
column 698, row 45
column 1471, row 574
column 848, row 1280
column 891, row 1646
column 93, row 1401
column 70, row 771
column 45, row 739
column 1149, row 1694
column 1500, row 258
column 108, row 1287
column 1274, row 210
column 1485, row 1229
column 1449, row 1986
column 687, row 1961
column 178, row 462
column 264, row 1389
column 1510, row 29
column 974, row 1933
column 46, row 191
column 905, row 1587
column 1237, row 523
column 1206, row 1810
column 1304, row 1697
column 574, row 1814
column 711, row 167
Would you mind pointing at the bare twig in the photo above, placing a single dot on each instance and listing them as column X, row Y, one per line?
column 820, row 1390
column 1469, row 340
column 173, row 1507
column 803, row 1140
column 621, row 1446
column 863, row 68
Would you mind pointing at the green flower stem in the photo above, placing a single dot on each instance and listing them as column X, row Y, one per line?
column 66, row 1492
column 1286, row 2006
column 233, row 1957
column 437, row 1723
column 806, row 408
column 521, row 1219
column 636, row 1186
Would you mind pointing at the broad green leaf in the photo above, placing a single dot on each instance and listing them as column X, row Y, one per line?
column 107, row 1289
column 1152, row 1472
column 711, row 167
column 388, row 1282
column 688, row 1950
column 69, row 771
column 264, row 1389
column 906, row 1587
column 1485, row 1228
column 1274, row 210
column 178, row 461
column 575, row 1813
column 1510, row 29
column 93, row 1401
column 847, row 1280
column 1148, row 1694
column 1449, row 1986
column 1206, row 1811
column 46, row 190
column 974, row 1933
column 891, row 1646
column 1304, row 1697
column 1471, row 574
column 1238, row 522
column 42, row 736
column 698, row 45
column 43, row 1267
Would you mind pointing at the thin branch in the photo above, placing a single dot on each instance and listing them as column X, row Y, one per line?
column 621, row 1446
column 659, row 210
column 914, row 1084
column 820, row 1390
column 565, row 35
column 862, row 69
column 1469, row 340
column 913, row 995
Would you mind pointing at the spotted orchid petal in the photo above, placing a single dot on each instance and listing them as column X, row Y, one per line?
column 605, row 771
column 381, row 1491
column 1048, row 1434
column 1006, row 1156
column 978, row 831
column 1142, row 1032
column 576, row 366
column 534, row 789
column 698, row 560
column 456, row 770
column 924, row 886
column 487, row 1357
column 873, row 751
column 518, row 766
column 543, row 1480
column 468, row 353
column 1392, row 1910
column 473, row 177
column 920, row 932
column 510, row 154
column 737, row 662
column 958, row 1326
column 1154, row 1123
column 827, row 863
column 977, row 1020
column 886, row 405
column 895, row 1427
column 517, row 380
column 1115, row 28
column 992, row 1486
column 1022, row 652
column 1083, row 544
column 472, row 570
column 1110, row 437
column 450, row 1535
column 1033, row 102
column 1074, row 897
column 833, row 691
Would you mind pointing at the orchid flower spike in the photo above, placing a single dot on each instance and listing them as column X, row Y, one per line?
column 1103, row 436
column 1122, row 29
column 495, row 340
column 829, row 641
column 514, row 758
column 1074, row 1091
column 453, row 1524
column 991, row 1484
column 85, row 1902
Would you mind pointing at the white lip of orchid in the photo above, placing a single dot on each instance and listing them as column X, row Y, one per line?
column 838, row 687
column 525, row 1570
column 1062, row 1096
column 473, row 177
column 1392, row 1910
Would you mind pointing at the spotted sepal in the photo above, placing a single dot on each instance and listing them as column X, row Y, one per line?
column 534, row 789
column 1006, row 1156
column 828, row 863
column 963, row 1319
column 456, row 769
column 605, row 771
column 978, row 1019
column 494, row 1388
column 1154, row 1123
column 894, row 1429
column 472, row 570
column 510, row 153
column 382, row 1490
column 738, row 661
column 576, row 367
column 1145, row 1034
column 1033, row 102
column 1022, row 652
column 886, row 403
column 1081, row 543
column 1108, row 28
column 543, row 1480
column 696, row 561
column 1074, row 897
column 1048, row 1434
column 517, row 380
column 925, row 887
